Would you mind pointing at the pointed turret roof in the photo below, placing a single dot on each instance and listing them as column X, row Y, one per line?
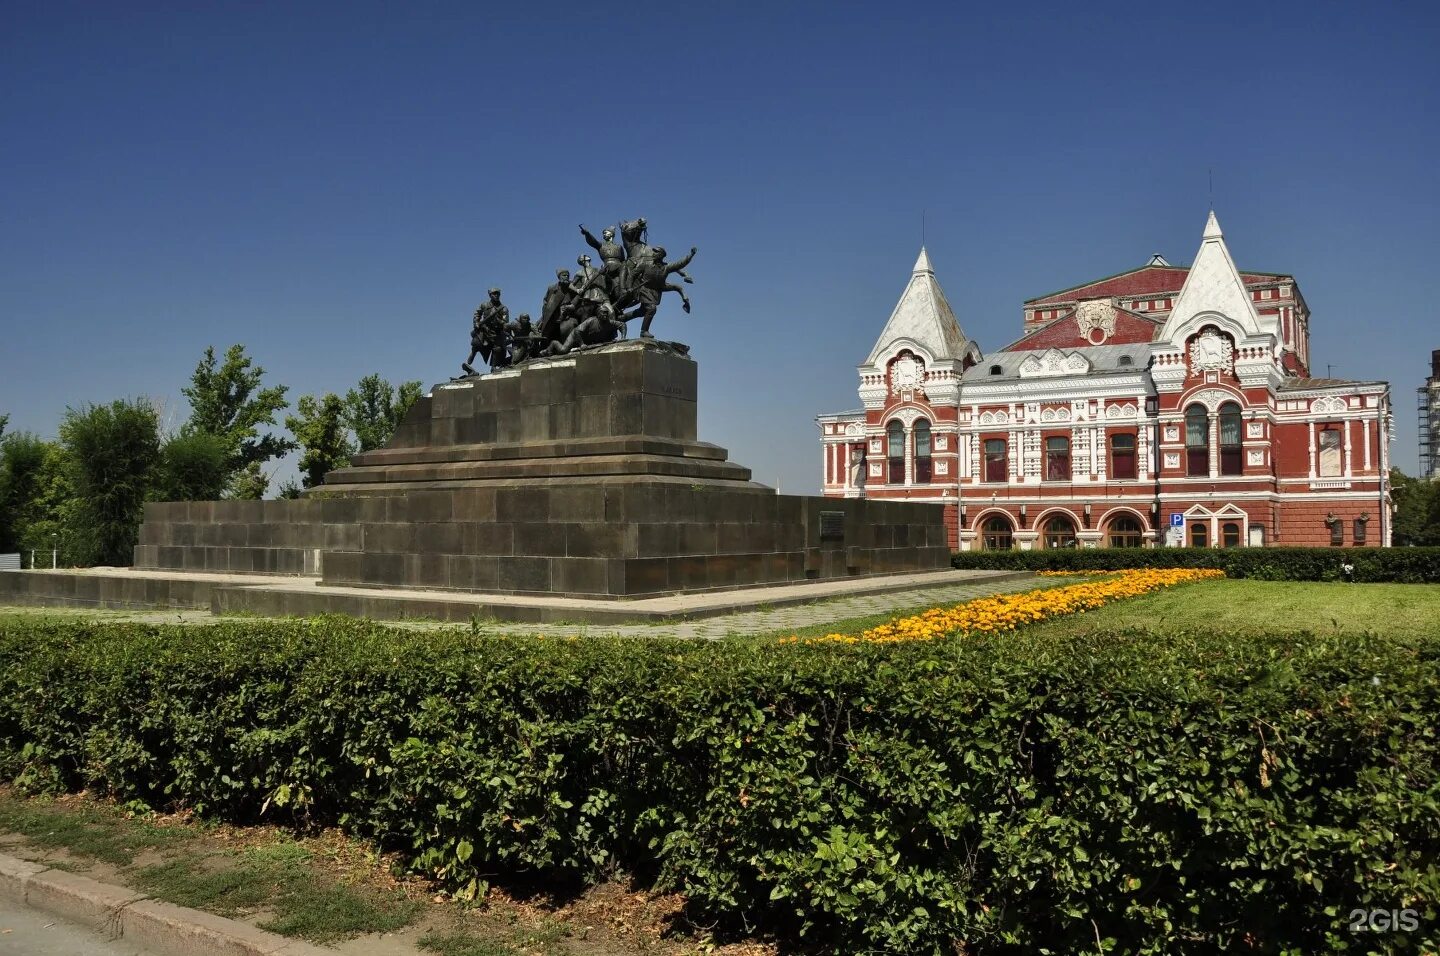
column 1215, row 285
column 923, row 316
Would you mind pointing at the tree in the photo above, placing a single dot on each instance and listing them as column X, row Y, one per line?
column 1417, row 510
column 4, row 420
column 193, row 466
column 30, row 488
column 374, row 408
column 319, row 427
column 226, row 400
column 113, row 452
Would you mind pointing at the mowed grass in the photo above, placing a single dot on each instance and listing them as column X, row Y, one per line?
column 1249, row 607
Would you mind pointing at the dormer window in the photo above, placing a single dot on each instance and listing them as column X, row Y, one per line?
column 1126, row 360
column 997, row 370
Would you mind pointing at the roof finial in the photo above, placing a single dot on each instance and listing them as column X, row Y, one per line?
column 1210, row 173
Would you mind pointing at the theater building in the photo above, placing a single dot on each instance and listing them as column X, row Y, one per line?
column 1161, row 406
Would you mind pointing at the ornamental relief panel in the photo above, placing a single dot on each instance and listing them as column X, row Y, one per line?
column 1256, row 456
column 1327, row 405
column 1212, row 351
column 1212, row 398
column 1254, row 429
column 942, row 468
column 906, row 374
column 997, row 417
column 1121, row 411
column 1172, row 459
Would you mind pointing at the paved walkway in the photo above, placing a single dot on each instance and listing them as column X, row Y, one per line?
column 31, row 932
column 760, row 621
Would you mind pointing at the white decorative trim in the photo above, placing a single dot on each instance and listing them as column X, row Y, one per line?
column 1054, row 362
column 997, row 417
column 906, row 416
column 942, row 468
column 1255, row 430
column 1172, row 459
column 1050, row 415
column 1213, row 398
column 1256, row 456
column 1121, row 411
column 941, row 443
column 1327, row 405
column 853, row 429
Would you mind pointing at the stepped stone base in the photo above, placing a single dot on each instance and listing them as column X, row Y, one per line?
column 580, row 476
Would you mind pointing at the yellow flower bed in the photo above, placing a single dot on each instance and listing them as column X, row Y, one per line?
column 1005, row 612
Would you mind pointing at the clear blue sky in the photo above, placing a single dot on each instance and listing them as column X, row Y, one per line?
column 335, row 185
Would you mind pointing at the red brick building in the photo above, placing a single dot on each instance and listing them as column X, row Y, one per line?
column 1165, row 405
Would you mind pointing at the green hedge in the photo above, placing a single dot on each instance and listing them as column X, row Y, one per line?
column 1374, row 565
column 1022, row 794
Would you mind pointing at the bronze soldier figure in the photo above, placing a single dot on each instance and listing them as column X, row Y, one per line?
column 487, row 335
column 650, row 276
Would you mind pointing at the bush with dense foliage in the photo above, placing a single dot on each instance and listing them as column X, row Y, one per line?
column 1019, row 793
column 1372, row 565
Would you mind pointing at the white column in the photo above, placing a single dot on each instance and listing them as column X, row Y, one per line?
column 1348, row 423
column 909, row 456
column 1312, row 448
column 825, row 462
column 1365, row 437
column 1214, row 448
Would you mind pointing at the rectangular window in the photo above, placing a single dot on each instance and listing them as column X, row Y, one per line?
column 1122, row 457
column 1057, row 459
column 996, row 463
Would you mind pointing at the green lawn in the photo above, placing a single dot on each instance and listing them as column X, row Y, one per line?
column 1238, row 606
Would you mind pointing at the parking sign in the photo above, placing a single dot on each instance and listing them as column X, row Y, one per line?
column 1177, row 520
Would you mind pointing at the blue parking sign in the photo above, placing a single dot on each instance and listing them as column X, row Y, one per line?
column 1177, row 520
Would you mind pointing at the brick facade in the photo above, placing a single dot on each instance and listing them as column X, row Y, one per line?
column 1162, row 392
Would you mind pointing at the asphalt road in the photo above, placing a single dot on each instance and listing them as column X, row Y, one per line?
column 31, row 932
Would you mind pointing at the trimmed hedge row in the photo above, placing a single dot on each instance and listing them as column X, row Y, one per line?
column 1021, row 794
column 1374, row 565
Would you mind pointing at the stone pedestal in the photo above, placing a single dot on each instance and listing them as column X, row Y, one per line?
column 580, row 476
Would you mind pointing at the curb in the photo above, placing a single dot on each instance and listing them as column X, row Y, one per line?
column 153, row 924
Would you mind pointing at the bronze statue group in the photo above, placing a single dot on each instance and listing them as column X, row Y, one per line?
column 589, row 307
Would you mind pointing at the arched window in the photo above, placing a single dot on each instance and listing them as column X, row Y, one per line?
column 922, row 452
column 1197, row 440
column 1230, row 535
column 1059, row 532
column 996, row 464
column 1122, row 457
column 996, row 534
column 895, row 450
column 1230, row 453
column 1057, row 459
column 1199, row 534
column 1124, row 531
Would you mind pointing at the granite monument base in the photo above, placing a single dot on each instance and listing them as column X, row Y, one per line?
column 579, row 476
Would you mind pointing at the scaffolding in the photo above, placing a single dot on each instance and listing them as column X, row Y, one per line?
column 1427, row 405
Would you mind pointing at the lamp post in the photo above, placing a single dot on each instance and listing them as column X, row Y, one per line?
column 54, row 551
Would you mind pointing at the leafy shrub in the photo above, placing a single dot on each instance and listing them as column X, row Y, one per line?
column 1016, row 794
column 1373, row 565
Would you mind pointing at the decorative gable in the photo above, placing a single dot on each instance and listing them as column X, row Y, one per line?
column 1053, row 362
column 1213, row 291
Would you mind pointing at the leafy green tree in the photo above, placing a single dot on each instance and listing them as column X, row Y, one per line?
column 1417, row 510
column 193, row 466
column 113, row 451
column 22, row 470
column 319, row 426
column 4, row 420
column 227, row 400
column 374, row 408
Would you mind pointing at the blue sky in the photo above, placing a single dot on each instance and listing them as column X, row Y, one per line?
column 335, row 185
